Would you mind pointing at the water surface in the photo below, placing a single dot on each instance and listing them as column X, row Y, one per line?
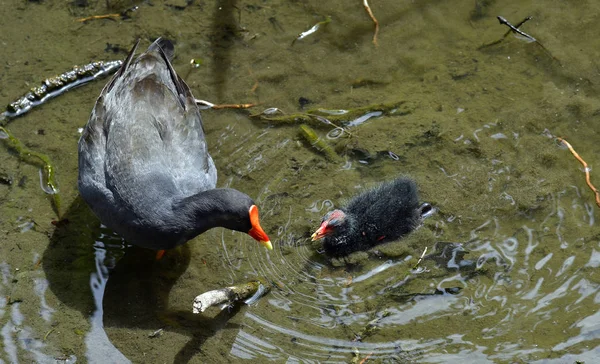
column 476, row 131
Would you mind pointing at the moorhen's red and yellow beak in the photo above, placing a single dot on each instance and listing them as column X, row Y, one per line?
column 256, row 231
column 321, row 231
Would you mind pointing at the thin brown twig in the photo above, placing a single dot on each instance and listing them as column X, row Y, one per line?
column 585, row 169
column 233, row 106
column 365, row 359
column 368, row 9
column 94, row 17
column 255, row 86
column 210, row 105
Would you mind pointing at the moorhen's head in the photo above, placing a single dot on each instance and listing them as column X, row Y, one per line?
column 251, row 225
column 244, row 217
column 228, row 208
column 333, row 223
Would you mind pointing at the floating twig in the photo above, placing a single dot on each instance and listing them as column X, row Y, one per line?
column 509, row 31
column 586, row 169
column 247, row 292
column 516, row 29
column 97, row 17
column 123, row 15
column 368, row 9
column 312, row 30
column 209, row 105
column 47, row 178
column 57, row 85
column 233, row 106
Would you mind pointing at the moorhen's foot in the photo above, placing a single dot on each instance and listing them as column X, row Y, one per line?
column 160, row 254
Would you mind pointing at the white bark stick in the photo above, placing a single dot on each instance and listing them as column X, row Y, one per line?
column 227, row 295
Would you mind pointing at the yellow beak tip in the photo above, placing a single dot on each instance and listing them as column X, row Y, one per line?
column 267, row 244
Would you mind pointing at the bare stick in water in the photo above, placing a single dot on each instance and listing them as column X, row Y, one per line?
column 516, row 29
column 203, row 104
column 247, row 292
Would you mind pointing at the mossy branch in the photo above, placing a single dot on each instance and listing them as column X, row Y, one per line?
column 314, row 117
column 47, row 171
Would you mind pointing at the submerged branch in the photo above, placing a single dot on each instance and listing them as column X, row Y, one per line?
column 57, row 85
column 314, row 117
column 47, row 177
column 318, row 143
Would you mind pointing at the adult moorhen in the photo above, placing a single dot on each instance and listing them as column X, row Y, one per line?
column 144, row 167
column 382, row 214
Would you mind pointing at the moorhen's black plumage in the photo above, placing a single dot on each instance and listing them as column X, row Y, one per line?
column 144, row 168
column 382, row 214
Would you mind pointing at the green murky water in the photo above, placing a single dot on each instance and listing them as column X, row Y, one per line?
column 475, row 130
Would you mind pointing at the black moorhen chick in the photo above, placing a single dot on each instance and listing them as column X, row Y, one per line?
column 382, row 214
column 144, row 168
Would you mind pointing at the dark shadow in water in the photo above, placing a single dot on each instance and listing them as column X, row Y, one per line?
column 223, row 33
column 68, row 261
column 138, row 287
column 211, row 327
column 137, row 296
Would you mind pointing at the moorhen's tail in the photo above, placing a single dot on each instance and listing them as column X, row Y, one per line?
column 165, row 45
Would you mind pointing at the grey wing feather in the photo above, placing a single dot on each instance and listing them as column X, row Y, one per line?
column 92, row 152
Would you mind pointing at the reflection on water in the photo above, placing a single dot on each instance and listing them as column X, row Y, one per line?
column 21, row 336
column 98, row 345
